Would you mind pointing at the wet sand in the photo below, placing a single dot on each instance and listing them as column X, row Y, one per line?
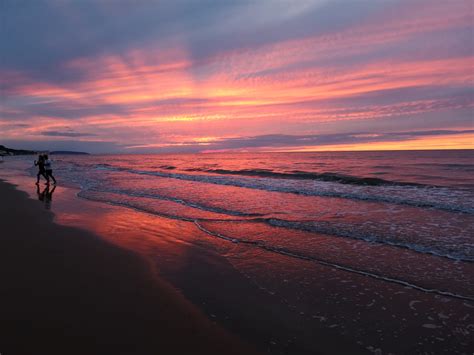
column 66, row 291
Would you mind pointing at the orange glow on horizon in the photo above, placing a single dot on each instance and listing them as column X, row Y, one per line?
column 465, row 141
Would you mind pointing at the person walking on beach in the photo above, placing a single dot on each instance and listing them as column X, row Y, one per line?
column 41, row 170
column 49, row 169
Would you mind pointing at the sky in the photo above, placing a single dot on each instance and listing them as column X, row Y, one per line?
column 145, row 76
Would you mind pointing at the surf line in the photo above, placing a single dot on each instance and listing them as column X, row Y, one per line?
column 333, row 265
column 291, row 225
column 224, row 180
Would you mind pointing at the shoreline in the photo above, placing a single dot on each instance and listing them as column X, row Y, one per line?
column 66, row 290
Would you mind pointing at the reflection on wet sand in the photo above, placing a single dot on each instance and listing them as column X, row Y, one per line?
column 46, row 195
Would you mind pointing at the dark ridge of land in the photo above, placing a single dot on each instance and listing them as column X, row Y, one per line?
column 9, row 151
column 66, row 291
column 68, row 152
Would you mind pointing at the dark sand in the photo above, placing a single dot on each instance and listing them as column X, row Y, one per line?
column 65, row 291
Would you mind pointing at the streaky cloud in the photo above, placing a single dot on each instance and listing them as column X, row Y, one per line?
column 66, row 134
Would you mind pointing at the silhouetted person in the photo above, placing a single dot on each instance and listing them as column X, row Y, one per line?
column 48, row 169
column 41, row 170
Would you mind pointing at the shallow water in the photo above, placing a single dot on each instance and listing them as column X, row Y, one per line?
column 423, row 201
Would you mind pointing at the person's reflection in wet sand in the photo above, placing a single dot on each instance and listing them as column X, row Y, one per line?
column 45, row 196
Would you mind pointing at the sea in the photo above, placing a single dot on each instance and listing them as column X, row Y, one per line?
column 398, row 218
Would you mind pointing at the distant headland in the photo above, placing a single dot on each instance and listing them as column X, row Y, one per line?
column 9, row 151
column 68, row 152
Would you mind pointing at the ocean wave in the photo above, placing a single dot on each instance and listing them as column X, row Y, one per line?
column 103, row 167
column 337, row 231
column 155, row 196
column 422, row 196
column 101, row 198
column 305, row 175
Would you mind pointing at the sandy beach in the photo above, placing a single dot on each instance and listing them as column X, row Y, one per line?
column 65, row 291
